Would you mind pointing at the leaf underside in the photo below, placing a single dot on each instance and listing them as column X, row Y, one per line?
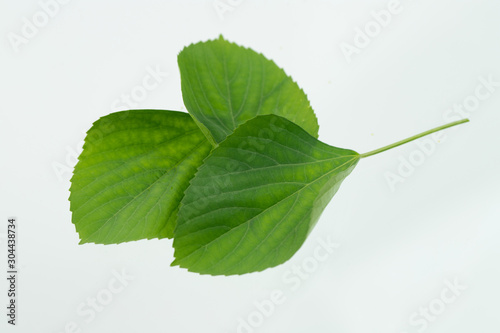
column 132, row 173
column 224, row 85
column 257, row 196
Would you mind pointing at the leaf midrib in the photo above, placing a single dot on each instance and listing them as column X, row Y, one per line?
column 139, row 194
column 263, row 211
column 132, row 159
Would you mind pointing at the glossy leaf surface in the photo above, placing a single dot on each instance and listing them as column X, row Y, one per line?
column 224, row 85
column 132, row 174
column 256, row 198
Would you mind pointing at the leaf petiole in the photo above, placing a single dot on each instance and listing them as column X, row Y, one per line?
column 415, row 137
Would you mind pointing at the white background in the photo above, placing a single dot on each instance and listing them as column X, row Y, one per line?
column 398, row 245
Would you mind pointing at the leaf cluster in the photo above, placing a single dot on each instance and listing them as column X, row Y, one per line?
column 238, row 182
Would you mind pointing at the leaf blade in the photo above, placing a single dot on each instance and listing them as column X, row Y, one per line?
column 224, row 85
column 132, row 174
column 256, row 198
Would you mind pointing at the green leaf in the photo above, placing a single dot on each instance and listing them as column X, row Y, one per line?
column 132, row 174
column 257, row 196
column 224, row 85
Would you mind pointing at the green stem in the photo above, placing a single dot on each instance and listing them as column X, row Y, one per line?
column 415, row 137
